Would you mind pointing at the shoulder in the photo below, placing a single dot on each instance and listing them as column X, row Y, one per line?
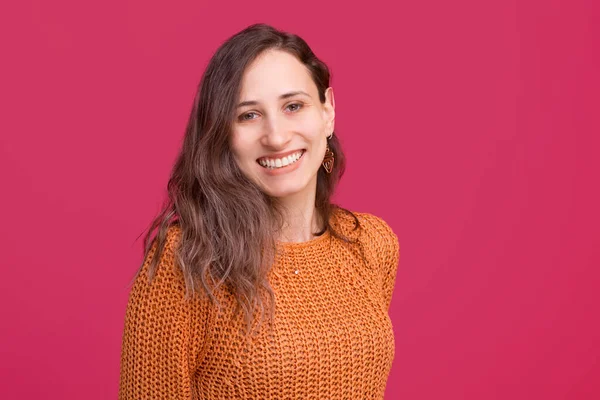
column 370, row 227
column 373, row 232
column 380, row 236
column 376, row 226
column 160, row 265
column 168, row 246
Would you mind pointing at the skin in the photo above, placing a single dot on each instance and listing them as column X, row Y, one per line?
column 273, row 125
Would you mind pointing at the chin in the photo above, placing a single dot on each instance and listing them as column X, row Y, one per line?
column 283, row 191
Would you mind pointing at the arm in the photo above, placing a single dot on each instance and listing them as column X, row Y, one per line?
column 155, row 360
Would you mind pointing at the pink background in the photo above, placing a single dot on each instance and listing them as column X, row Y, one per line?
column 470, row 126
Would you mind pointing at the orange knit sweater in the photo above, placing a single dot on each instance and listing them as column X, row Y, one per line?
column 331, row 337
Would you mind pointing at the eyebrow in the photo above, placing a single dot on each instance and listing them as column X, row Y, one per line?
column 282, row 97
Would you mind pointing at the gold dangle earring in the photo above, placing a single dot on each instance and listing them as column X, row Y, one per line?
column 329, row 157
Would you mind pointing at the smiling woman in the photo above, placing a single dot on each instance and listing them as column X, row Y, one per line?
column 256, row 285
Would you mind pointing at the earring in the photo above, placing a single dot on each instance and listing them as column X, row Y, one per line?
column 329, row 157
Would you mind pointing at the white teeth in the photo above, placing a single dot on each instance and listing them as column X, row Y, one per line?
column 280, row 162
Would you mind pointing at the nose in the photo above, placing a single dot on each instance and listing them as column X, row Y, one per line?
column 276, row 134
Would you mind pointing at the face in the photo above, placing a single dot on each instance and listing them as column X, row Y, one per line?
column 279, row 133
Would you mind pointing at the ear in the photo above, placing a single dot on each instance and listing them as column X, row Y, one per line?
column 329, row 110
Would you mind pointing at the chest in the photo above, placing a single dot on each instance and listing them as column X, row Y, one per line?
column 331, row 337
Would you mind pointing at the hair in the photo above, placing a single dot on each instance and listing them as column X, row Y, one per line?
column 227, row 222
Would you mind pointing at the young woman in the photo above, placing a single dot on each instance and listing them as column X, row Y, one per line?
column 256, row 285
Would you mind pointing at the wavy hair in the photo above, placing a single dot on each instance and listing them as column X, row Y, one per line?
column 227, row 223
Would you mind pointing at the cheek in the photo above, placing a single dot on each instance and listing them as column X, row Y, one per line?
column 239, row 145
column 311, row 127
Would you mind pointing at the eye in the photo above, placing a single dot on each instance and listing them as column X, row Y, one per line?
column 295, row 106
column 244, row 117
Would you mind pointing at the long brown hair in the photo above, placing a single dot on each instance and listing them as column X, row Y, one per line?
column 227, row 222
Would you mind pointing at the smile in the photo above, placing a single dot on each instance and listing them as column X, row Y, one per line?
column 274, row 163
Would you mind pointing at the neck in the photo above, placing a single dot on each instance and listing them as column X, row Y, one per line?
column 301, row 217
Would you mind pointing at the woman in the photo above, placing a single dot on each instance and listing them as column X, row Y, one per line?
column 256, row 285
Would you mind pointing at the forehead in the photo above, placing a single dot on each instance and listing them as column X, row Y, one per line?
column 275, row 72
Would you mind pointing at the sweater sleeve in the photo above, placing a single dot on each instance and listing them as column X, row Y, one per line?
column 155, row 358
column 391, row 267
column 389, row 256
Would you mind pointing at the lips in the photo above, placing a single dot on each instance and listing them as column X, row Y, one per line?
column 281, row 162
column 280, row 155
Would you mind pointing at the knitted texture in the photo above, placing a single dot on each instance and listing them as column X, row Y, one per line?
column 331, row 337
